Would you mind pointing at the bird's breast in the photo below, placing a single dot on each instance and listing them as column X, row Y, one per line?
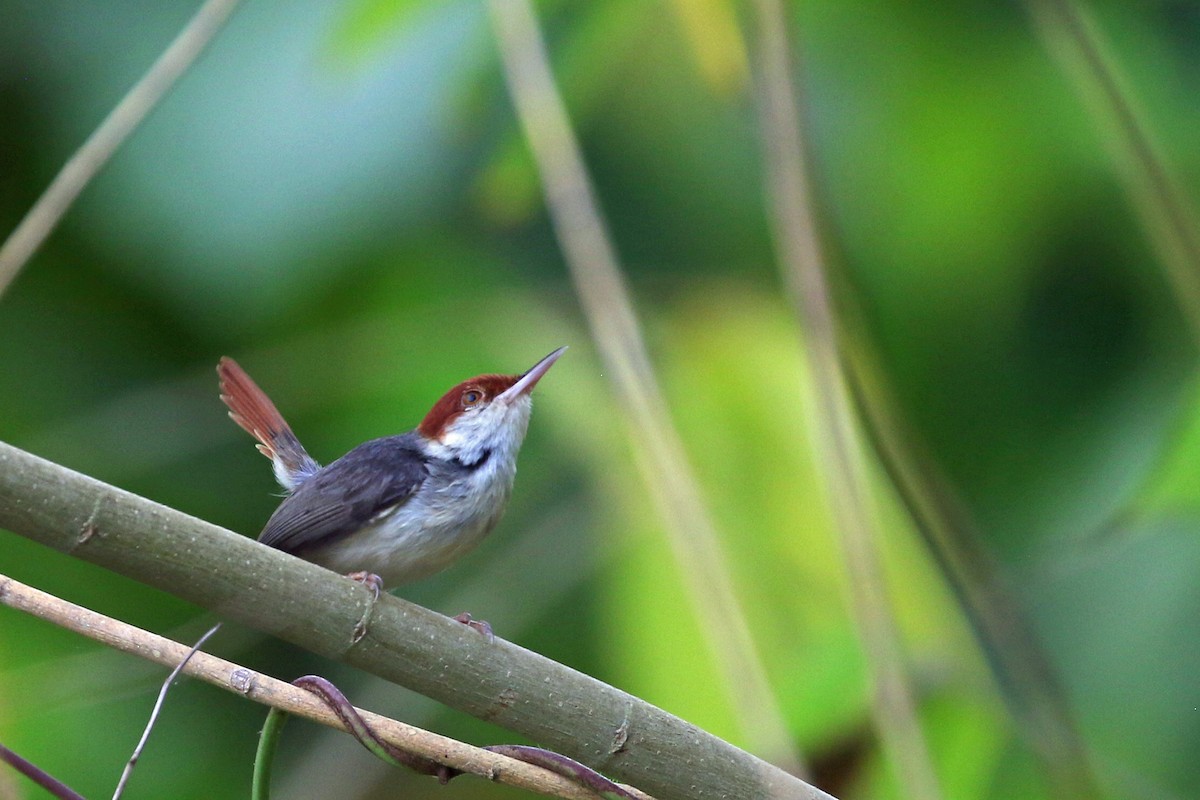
column 447, row 517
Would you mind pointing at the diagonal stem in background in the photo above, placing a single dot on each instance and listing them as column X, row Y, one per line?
column 1027, row 682
column 1166, row 215
column 596, row 273
column 802, row 264
column 122, row 121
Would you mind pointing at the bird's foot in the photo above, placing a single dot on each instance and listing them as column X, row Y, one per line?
column 375, row 584
column 481, row 625
column 369, row 580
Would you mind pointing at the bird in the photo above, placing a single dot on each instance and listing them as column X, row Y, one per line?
column 399, row 508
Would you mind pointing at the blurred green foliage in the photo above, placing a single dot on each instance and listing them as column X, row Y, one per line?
column 338, row 196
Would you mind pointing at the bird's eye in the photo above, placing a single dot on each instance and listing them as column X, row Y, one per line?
column 471, row 397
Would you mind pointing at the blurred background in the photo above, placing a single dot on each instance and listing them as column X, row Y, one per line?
column 339, row 196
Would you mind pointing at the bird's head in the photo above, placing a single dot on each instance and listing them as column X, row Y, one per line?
column 485, row 416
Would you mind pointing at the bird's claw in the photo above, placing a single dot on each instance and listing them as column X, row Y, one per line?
column 481, row 625
column 375, row 584
column 369, row 580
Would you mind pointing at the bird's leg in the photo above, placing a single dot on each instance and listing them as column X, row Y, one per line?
column 375, row 584
column 481, row 625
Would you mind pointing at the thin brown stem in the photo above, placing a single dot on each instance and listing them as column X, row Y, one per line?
column 277, row 694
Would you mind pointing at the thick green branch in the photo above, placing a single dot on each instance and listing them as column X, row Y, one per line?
column 236, row 577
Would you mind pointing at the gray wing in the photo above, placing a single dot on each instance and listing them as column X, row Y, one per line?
column 343, row 497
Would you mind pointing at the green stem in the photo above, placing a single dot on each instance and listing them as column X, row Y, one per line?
column 268, row 743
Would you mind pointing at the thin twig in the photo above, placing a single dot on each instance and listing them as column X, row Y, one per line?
column 802, row 264
column 158, row 703
column 88, row 160
column 38, row 775
column 278, row 694
column 596, row 273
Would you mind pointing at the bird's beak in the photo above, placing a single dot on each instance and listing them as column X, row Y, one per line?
column 527, row 381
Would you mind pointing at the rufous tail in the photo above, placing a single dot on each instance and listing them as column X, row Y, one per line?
column 251, row 409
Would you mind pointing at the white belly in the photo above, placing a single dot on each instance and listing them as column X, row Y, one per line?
column 439, row 524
